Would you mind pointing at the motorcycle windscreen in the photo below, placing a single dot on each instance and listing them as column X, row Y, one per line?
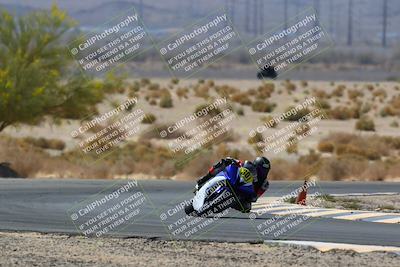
column 198, row 200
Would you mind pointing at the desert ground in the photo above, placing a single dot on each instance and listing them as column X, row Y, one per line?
column 35, row 249
column 358, row 120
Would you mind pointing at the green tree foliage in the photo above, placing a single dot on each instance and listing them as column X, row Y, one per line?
column 36, row 74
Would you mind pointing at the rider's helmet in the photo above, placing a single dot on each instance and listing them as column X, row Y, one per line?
column 248, row 172
column 262, row 166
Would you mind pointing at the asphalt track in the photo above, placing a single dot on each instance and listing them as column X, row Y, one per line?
column 45, row 206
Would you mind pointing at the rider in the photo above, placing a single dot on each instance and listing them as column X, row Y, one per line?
column 248, row 191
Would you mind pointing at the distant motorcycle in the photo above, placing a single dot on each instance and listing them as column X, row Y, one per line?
column 267, row 72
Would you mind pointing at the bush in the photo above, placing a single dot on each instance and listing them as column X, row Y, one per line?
column 45, row 143
column 289, row 86
column 145, row 81
column 343, row 113
column 154, row 86
column 149, row 118
column 365, row 124
column 255, row 139
column 323, row 104
column 304, row 83
column 174, row 80
column 211, row 112
column 354, row 94
column 261, row 106
column 394, row 124
column 182, row 93
column 264, row 91
column 338, row 92
column 166, row 101
column 326, row 146
column 241, row 98
column 202, row 91
column 295, row 116
column 269, row 120
column 292, row 145
column 240, row 111
column 320, row 94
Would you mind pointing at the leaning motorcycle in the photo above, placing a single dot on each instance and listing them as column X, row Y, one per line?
column 214, row 196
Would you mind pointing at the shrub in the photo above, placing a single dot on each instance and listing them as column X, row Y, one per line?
column 154, row 86
column 370, row 87
column 269, row 120
column 45, row 143
column 166, row 101
column 292, row 145
column 182, row 92
column 261, row 106
column 323, row 104
column 174, row 80
column 264, row 91
column 365, row 124
column 210, row 83
column 343, row 113
column 393, row 108
column 394, row 124
column 153, row 102
column 354, row 94
column 240, row 111
column 241, row 98
column 211, row 112
column 295, row 116
column 202, row 91
column 380, row 93
column 144, row 81
column 255, row 139
column 320, row 94
column 338, row 92
column 304, row 83
column 302, row 129
column 326, row 146
column 149, row 118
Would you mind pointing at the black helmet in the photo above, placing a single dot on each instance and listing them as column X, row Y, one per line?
column 262, row 166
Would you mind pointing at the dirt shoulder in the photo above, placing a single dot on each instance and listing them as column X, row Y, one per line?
column 34, row 249
column 384, row 203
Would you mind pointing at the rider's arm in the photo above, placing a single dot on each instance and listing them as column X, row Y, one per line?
column 217, row 168
column 222, row 164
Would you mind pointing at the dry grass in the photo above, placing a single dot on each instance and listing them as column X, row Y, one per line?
column 45, row 143
column 261, row 106
column 241, row 98
column 365, row 123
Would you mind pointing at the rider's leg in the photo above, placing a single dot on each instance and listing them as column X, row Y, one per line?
column 242, row 206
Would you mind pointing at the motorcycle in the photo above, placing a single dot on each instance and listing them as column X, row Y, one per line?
column 215, row 196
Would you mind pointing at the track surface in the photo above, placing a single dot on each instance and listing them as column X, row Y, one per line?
column 42, row 205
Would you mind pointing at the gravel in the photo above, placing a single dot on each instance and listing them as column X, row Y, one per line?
column 35, row 249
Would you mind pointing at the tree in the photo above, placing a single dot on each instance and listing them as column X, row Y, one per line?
column 36, row 78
